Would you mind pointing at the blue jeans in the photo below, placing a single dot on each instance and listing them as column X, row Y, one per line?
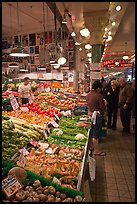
column 95, row 130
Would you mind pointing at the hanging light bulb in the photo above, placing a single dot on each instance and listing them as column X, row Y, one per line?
column 62, row 60
column 89, row 54
column 56, row 66
column 64, row 19
column 109, row 33
column 85, row 32
column 118, row 8
column 109, row 38
column 73, row 34
column 106, row 29
column 76, row 43
column 19, row 51
column 113, row 23
column 88, row 46
column 80, row 49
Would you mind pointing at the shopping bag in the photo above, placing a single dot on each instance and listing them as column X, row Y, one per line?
column 92, row 168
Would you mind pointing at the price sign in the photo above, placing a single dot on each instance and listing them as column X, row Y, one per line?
column 11, row 185
column 55, row 180
column 24, row 151
column 14, row 103
column 47, row 89
column 53, row 123
column 22, row 160
column 24, row 108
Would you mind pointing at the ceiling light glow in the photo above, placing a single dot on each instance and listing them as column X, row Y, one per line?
column 113, row 23
column 118, row 8
column 85, row 32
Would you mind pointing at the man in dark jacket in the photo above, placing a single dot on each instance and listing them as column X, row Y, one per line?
column 96, row 106
column 125, row 101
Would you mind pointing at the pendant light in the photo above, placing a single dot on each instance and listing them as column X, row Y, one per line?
column 19, row 51
column 84, row 32
column 62, row 60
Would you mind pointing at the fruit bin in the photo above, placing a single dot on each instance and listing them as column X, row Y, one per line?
column 31, row 177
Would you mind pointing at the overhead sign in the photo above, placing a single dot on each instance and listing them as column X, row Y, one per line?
column 117, row 63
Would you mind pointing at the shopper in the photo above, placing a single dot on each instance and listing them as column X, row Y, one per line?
column 125, row 101
column 96, row 106
column 112, row 98
column 24, row 92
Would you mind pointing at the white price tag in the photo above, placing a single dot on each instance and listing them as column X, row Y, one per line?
column 24, row 151
column 11, row 185
column 56, row 116
column 54, row 123
column 55, row 180
column 47, row 89
column 22, row 160
column 24, row 108
column 14, row 103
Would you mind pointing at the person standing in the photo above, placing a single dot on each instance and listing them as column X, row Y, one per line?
column 125, row 103
column 96, row 107
column 112, row 98
column 24, row 91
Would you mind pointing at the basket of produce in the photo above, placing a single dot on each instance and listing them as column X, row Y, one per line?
column 36, row 188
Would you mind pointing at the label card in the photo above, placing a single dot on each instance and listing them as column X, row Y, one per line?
column 53, row 123
column 14, row 103
column 11, row 185
column 22, row 160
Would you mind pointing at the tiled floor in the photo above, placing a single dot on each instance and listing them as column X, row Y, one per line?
column 115, row 172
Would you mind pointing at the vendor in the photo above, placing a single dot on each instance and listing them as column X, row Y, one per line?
column 24, row 91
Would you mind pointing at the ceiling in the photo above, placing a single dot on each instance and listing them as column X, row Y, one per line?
column 31, row 20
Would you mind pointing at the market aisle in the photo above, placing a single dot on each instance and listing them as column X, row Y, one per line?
column 115, row 173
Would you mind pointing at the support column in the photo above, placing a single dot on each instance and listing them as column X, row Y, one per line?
column 96, row 22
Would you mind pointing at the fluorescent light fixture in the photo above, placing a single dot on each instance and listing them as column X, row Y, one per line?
column 73, row 34
column 89, row 54
column 118, row 8
column 88, row 46
column 125, row 57
column 13, row 65
column 116, row 63
column 109, row 33
column 80, row 49
column 19, row 52
column 76, row 43
column 62, row 60
column 106, row 29
column 52, row 61
column 56, row 66
column 85, row 32
column 113, row 23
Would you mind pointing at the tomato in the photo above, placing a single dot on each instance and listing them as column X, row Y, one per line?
column 56, row 111
column 58, row 114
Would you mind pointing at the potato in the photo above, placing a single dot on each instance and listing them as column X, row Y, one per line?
column 51, row 199
column 36, row 184
column 29, row 188
column 57, row 194
column 68, row 200
column 20, row 196
column 29, row 199
column 52, row 190
column 46, row 191
column 42, row 197
column 62, row 196
column 78, row 199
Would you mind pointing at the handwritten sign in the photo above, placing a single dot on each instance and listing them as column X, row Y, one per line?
column 11, row 185
column 53, row 123
column 14, row 103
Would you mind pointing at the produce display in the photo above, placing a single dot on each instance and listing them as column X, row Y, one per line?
column 7, row 93
column 36, row 108
column 53, row 100
column 70, row 133
column 49, row 165
column 15, row 135
column 30, row 117
column 37, row 189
